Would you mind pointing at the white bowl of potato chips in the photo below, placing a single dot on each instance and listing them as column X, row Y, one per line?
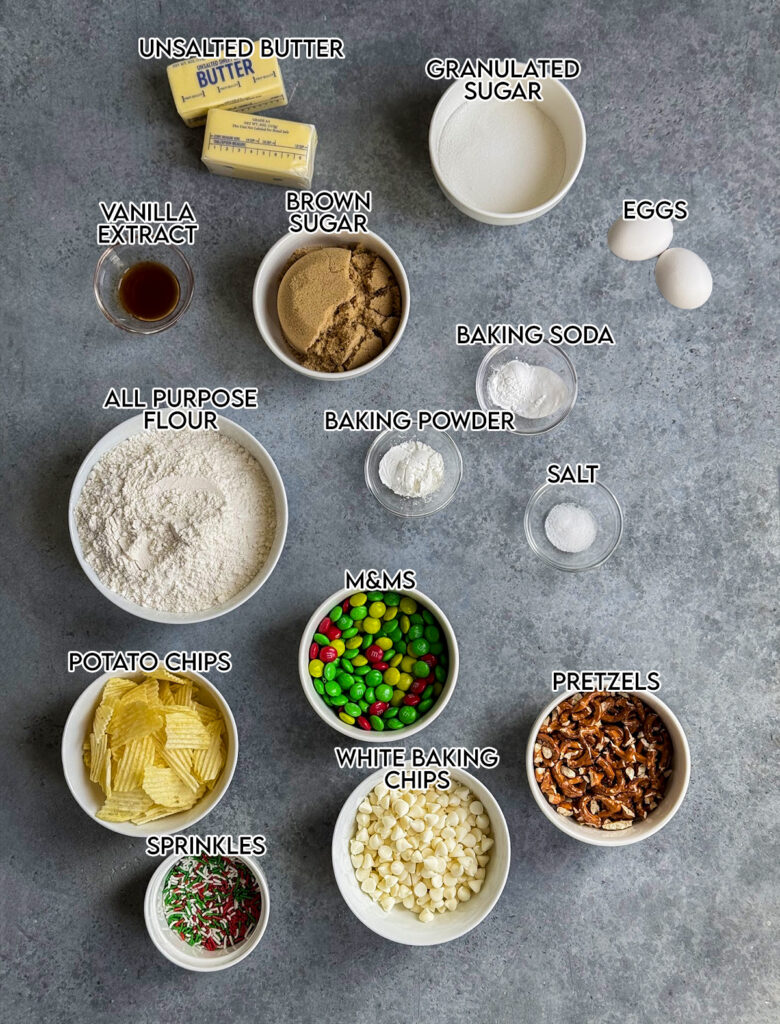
column 149, row 753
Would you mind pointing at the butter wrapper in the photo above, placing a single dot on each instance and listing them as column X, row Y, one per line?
column 263, row 149
column 248, row 84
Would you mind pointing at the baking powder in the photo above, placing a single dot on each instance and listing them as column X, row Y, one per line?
column 412, row 469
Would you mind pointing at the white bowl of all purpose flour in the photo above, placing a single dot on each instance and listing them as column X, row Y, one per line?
column 134, row 427
column 506, row 161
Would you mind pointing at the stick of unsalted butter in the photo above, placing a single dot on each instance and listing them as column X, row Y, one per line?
column 260, row 148
column 250, row 84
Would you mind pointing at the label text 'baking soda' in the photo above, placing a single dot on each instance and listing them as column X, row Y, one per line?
column 533, row 334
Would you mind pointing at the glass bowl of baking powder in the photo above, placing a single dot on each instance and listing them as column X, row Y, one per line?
column 413, row 472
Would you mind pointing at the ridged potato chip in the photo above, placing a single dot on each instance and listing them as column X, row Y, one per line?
column 182, row 694
column 183, row 729
column 165, row 787
column 103, row 716
column 124, row 806
column 205, row 713
column 133, row 721
column 99, row 754
column 148, row 692
column 208, row 763
column 155, row 811
column 136, row 755
column 116, row 688
column 181, row 762
column 166, row 694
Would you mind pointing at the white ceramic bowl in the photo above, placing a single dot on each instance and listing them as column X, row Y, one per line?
column 90, row 797
column 179, row 952
column 230, row 429
column 411, row 508
column 664, row 812
column 558, row 104
column 269, row 276
column 543, row 354
column 326, row 713
column 401, row 925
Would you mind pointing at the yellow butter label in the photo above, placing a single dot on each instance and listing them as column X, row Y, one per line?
column 250, row 84
column 260, row 148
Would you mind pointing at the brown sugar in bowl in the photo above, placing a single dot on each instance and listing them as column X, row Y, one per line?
column 266, row 295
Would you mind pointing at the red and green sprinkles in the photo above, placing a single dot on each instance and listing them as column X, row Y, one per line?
column 211, row 902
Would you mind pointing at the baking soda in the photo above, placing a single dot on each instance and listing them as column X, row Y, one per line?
column 530, row 391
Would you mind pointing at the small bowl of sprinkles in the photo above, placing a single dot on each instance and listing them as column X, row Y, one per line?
column 206, row 913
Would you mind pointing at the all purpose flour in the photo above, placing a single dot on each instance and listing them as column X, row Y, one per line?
column 177, row 521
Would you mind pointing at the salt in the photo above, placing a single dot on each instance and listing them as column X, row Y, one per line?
column 570, row 528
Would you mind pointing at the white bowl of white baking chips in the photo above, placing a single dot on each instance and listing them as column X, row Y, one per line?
column 400, row 924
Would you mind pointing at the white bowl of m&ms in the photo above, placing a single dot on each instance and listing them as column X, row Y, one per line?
column 378, row 665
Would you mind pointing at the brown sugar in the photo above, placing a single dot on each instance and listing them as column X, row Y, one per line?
column 338, row 307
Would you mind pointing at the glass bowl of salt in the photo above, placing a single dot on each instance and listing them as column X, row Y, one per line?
column 536, row 383
column 573, row 526
column 413, row 472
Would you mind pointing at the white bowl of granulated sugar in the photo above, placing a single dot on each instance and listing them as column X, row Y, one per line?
column 506, row 161
column 178, row 526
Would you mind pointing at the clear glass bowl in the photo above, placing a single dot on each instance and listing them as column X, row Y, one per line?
column 119, row 258
column 602, row 505
column 412, row 507
column 543, row 354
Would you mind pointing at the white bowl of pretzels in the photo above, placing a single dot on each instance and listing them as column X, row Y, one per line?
column 608, row 769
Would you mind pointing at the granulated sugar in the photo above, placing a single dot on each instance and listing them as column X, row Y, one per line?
column 501, row 156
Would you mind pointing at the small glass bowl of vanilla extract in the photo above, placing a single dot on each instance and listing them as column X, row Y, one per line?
column 144, row 289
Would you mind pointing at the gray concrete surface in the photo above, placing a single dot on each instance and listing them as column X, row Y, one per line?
column 679, row 101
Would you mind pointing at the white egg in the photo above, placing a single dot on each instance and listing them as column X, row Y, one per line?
column 683, row 278
column 640, row 239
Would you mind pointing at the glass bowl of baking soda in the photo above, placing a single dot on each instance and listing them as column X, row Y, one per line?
column 413, row 472
column 573, row 526
column 536, row 383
